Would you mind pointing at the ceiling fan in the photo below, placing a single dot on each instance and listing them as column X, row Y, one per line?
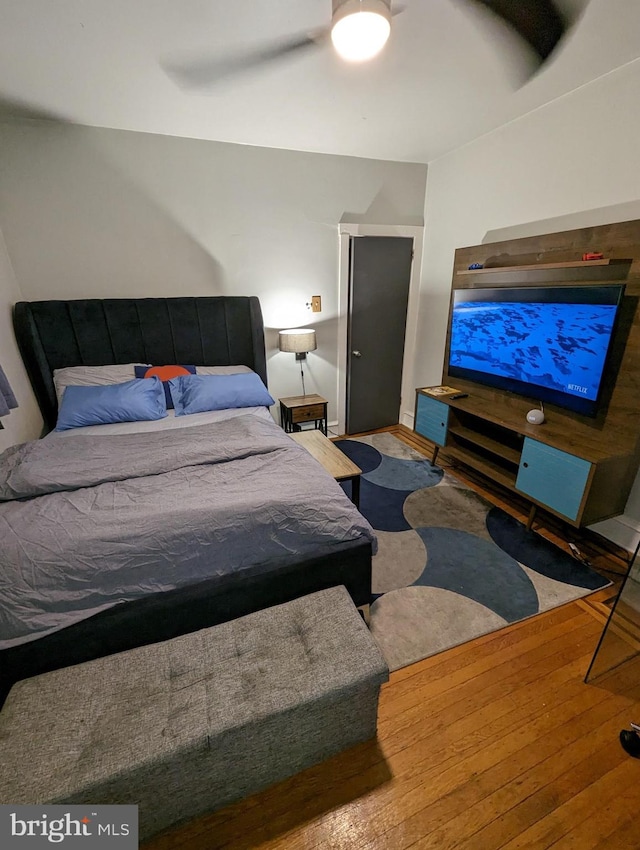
column 359, row 29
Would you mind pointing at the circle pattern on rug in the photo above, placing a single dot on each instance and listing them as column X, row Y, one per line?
column 400, row 560
column 409, row 475
column 479, row 570
column 447, row 507
column 535, row 551
column 383, row 507
column 362, row 454
column 414, row 622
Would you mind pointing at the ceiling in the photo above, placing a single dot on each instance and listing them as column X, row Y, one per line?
column 446, row 76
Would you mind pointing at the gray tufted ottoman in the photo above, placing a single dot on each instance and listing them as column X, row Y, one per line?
column 186, row 726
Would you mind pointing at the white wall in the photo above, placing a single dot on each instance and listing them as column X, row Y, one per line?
column 90, row 212
column 572, row 163
column 24, row 422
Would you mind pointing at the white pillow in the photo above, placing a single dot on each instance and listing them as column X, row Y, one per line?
column 221, row 370
column 92, row 376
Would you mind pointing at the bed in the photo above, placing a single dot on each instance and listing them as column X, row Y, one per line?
column 121, row 535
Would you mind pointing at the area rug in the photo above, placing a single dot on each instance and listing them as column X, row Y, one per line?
column 450, row 565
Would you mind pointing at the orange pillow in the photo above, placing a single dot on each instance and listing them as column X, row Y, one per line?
column 165, row 373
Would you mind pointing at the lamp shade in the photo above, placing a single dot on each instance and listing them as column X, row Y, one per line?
column 297, row 340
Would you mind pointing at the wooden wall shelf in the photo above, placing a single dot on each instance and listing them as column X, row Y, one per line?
column 575, row 264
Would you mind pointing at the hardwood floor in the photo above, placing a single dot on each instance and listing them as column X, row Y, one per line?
column 497, row 743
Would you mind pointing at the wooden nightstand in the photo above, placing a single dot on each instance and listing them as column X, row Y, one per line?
column 337, row 464
column 297, row 409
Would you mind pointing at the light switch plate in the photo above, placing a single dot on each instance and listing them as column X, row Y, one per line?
column 316, row 304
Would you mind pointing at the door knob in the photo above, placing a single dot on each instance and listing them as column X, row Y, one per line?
column 356, row 354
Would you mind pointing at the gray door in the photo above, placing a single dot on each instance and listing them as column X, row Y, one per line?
column 380, row 270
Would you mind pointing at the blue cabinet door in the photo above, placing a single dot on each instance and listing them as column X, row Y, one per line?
column 553, row 478
column 431, row 419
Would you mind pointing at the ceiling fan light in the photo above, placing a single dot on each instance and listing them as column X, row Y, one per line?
column 360, row 28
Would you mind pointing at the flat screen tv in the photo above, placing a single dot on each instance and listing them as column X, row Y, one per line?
column 549, row 343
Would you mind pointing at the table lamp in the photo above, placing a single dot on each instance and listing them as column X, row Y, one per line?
column 298, row 341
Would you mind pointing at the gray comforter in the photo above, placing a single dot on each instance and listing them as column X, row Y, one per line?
column 90, row 521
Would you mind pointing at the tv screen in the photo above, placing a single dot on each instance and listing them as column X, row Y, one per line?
column 549, row 342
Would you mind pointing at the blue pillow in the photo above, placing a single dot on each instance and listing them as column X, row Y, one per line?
column 197, row 393
column 128, row 402
column 165, row 373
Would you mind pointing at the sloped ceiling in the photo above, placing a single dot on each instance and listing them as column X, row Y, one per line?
column 447, row 75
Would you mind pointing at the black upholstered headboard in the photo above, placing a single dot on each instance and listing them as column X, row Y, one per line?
column 217, row 331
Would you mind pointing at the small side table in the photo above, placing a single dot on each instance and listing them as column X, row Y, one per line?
column 297, row 409
column 337, row 464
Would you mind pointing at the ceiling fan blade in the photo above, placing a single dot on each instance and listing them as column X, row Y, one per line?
column 539, row 22
column 203, row 72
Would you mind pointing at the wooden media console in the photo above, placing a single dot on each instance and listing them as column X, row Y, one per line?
column 577, row 467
